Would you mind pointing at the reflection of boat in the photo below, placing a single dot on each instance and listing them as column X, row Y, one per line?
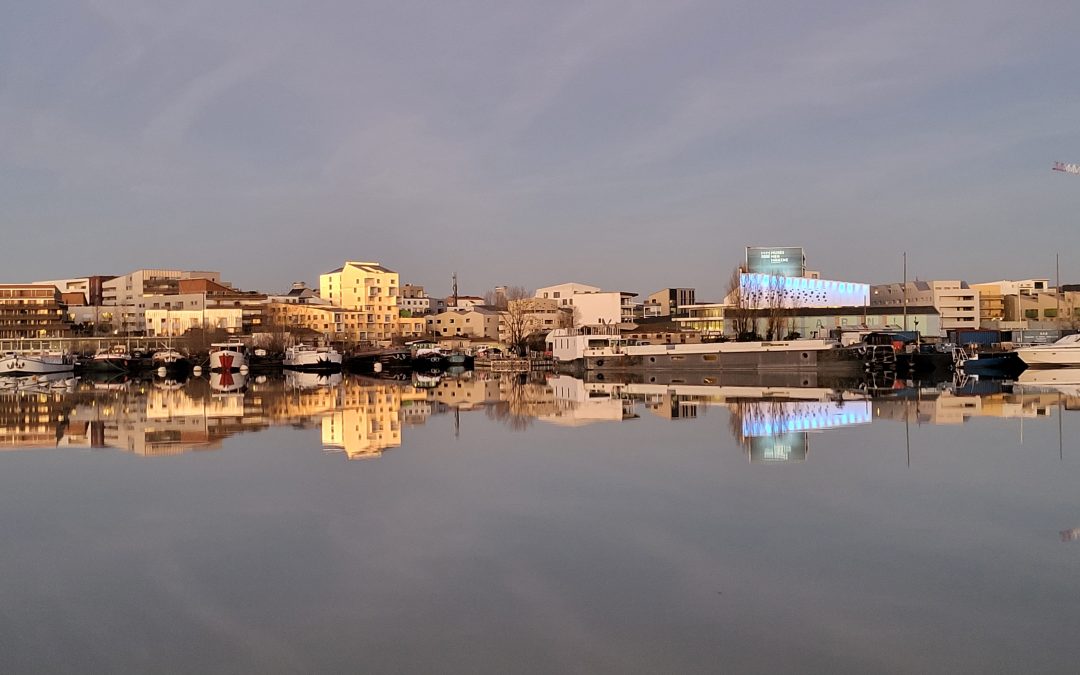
column 35, row 362
column 424, row 381
column 1064, row 352
column 227, row 382
column 225, row 356
column 306, row 357
column 45, row 382
column 311, row 380
column 1064, row 380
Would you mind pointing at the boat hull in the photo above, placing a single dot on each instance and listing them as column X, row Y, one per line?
column 313, row 362
column 227, row 360
column 839, row 361
column 19, row 365
column 1049, row 357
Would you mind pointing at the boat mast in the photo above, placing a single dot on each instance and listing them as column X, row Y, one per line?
column 1057, row 284
column 904, row 291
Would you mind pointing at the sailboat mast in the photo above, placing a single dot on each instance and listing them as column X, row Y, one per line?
column 904, row 290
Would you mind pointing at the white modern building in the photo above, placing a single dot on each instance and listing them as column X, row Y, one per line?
column 129, row 293
column 590, row 305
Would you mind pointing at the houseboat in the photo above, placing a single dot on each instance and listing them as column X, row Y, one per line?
column 609, row 352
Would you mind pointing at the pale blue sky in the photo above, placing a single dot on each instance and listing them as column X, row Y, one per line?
column 630, row 145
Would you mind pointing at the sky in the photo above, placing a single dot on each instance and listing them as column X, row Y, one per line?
column 630, row 145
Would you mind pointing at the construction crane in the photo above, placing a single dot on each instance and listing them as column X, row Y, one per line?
column 1067, row 168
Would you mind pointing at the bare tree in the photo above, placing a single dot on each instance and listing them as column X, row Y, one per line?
column 742, row 304
column 523, row 318
column 502, row 300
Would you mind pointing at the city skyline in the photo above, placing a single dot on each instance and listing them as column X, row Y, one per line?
column 631, row 146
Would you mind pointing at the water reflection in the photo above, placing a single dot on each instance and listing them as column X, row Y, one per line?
column 773, row 419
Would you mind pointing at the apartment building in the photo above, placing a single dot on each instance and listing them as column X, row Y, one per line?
column 956, row 303
column 336, row 323
column 128, row 294
column 32, row 311
column 477, row 322
column 666, row 302
column 203, row 303
column 91, row 288
column 369, row 288
column 590, row 305
column 993, row 294
column 414, row 300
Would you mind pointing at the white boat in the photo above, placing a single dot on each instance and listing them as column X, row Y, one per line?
column 306, row 357
column 1063, row 353
column 170, row 359
column 35, row 363
column 228, row 356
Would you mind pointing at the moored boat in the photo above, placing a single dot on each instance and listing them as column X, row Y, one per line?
column 314, row 359
column 1065, row 353
column 228, row 356
column 116, row 359
column 171, row 360
column 783, row 355
column 994, row 364
column 35, row 363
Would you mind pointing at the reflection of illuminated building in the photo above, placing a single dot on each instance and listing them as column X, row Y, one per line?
column 789, row 447
column 367, row 424
column 467, row 394
column 31, row 420
column 769, row 418
column 779, row 430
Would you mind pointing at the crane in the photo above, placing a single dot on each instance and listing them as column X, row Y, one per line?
column 1067, row 168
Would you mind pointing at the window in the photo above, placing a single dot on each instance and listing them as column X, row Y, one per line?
column 1031, row 314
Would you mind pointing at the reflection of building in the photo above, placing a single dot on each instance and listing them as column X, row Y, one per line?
column 789, row 447
column 944, row 407
column 576, row 404
column 368, row 422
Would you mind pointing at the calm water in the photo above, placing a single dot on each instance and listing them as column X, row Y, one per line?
column 545, row 526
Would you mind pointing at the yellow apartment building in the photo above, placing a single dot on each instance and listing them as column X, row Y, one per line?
column 372, row 290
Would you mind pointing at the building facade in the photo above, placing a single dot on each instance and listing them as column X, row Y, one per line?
column 29, row 311
column 667, row 302
column 369, row 288
column 956, row 303
column 478, row 322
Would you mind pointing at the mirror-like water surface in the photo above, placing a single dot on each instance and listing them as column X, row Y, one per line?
column 537, row 524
